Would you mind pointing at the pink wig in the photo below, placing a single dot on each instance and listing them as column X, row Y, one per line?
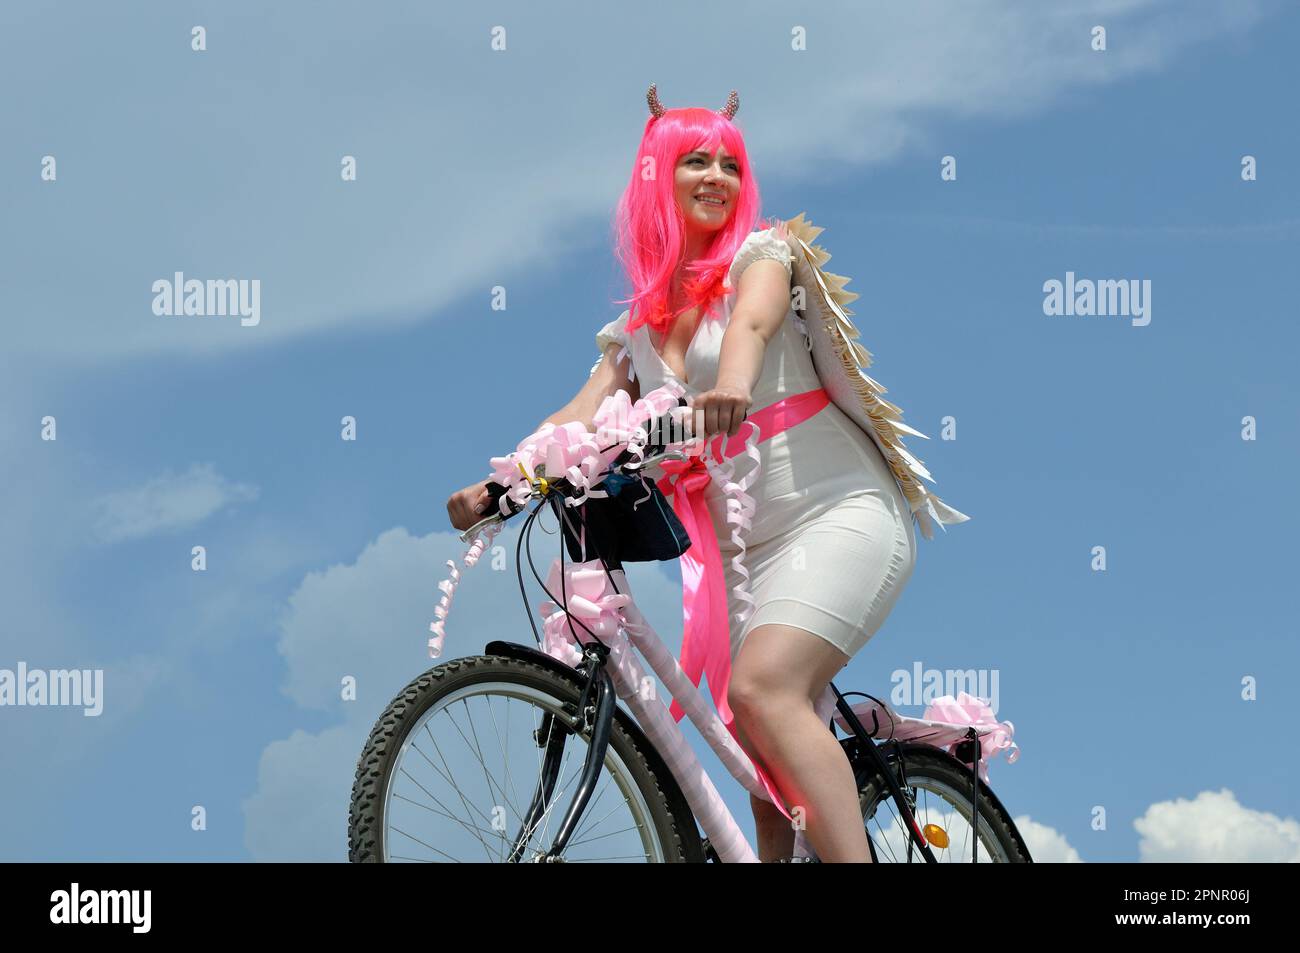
column 650, row 231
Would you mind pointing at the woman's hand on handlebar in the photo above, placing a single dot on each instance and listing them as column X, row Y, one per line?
column 466, row 507
column 721, row 410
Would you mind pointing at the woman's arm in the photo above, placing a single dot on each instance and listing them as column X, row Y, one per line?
column 609, row 377
column 466, row 506
column 762, row 300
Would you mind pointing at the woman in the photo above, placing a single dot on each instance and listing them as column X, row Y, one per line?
column 832, row 543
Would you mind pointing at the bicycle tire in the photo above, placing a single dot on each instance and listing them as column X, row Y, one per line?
column 671, row 818
column 925, row 763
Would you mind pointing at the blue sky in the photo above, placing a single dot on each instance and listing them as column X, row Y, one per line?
column 479, row 169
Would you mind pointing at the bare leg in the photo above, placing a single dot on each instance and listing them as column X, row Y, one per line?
column 777, row 674
column 775, row 835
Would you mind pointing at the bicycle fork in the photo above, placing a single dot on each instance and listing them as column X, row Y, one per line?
column 596, row 714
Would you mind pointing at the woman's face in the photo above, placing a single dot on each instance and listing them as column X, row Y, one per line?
column 706, row 188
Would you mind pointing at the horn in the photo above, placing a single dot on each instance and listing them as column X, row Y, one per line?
column 733, row 103
column 652, row 98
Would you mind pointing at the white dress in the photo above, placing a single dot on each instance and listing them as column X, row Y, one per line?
column 832, row 543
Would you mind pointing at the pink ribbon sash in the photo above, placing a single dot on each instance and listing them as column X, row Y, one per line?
column 706, row 634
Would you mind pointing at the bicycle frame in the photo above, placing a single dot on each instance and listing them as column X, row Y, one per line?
column 613, row 668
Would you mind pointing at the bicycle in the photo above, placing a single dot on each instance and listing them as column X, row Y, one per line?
column 563, row 701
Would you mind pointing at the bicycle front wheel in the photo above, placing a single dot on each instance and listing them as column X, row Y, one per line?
column 940, row 789
column 477, row 761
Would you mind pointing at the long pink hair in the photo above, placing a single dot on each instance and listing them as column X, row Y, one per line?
column 650, row 231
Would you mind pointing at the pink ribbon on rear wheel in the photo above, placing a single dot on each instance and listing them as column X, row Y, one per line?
column 706, row 633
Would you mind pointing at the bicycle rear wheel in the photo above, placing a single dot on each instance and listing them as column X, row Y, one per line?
column 940, row 787
column 453, row 772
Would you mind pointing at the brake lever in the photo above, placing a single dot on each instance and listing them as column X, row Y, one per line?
column 657, row 458
column 473, row 531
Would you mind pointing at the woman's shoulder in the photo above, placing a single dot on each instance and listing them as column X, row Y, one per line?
column 761, row 243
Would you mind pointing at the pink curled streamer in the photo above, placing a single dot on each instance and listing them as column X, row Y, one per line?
column 740, row 510
column 448, row 586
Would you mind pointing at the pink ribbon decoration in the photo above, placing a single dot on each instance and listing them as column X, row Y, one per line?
column 565, row 450
column 591, row 602
column 706, row 633
column 966, row 709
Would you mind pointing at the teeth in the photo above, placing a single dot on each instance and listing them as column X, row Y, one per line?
column 710, row 199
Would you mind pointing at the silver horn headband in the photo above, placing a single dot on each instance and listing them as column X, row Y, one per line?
column 657, row 109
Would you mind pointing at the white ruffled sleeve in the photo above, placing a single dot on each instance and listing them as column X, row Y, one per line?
column 614, row 333
column 760, row 244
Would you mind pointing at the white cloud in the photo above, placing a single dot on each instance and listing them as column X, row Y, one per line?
column 299, row 811
column 167, row 503
column 370, row 620
column 1214, row 827
column 1046, row 844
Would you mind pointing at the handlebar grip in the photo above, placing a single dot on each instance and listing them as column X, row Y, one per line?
column 662, row 425
column 665, row 422
column 495, row 492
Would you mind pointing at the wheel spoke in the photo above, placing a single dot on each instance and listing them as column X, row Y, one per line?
column 447, row 799
column 470, row 827
column 478, row 753
column 503, row 746
column 456, row 787
column 586, row 824
column 936, row 802
column 418, row 841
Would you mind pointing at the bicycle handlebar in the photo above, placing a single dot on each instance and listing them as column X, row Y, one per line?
column 495, row 491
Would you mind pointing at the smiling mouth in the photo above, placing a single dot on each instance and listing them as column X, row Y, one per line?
column 713, row 200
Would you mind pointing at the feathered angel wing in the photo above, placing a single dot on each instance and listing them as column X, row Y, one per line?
column 839, row 357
